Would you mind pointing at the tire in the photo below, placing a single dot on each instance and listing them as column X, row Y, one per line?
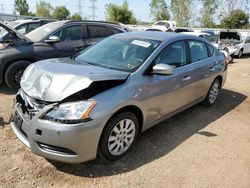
column 113, row 136
column 213, row 93
column 14, row 73
column 240, row 53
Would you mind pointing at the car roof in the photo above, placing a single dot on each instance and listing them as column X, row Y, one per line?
column 157, row 35
column 196, row 33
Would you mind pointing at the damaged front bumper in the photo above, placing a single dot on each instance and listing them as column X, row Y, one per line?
column 71, row 143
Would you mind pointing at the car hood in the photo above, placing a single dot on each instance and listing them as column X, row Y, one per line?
column 9, row 29
column 56, row 79
column 229, row 37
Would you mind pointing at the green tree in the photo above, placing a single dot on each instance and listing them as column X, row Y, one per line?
column 21, row 6
column 76, row 17
column 237, row 19
column 43, row 9
column 116, row 13
column 181, row 11
column 159, row 10
column 207, row 12
column 61, row 12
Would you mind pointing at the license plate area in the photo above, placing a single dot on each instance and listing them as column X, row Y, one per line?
column 17, row 120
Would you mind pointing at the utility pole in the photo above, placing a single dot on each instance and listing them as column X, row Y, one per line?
column 80, row 8
column 2, row 7
column 93, row 8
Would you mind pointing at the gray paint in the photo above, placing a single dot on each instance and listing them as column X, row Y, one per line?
column 157, row 96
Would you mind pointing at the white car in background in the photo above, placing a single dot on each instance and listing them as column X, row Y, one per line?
column 236, row 44
column 242, row 48
column 214, row 42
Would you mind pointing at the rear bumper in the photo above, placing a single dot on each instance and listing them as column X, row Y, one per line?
column 61, row 142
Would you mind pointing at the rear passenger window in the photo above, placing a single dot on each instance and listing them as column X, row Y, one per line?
column 174, row 55
column 198, row 51
column 98, row 31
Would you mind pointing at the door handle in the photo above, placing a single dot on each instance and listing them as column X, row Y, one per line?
column 186, row 78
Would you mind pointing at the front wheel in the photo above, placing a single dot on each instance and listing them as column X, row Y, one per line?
column 119, row 136
column 213, row 93
column 14, row 73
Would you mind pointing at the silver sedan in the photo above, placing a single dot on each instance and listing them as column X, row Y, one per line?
column 97, row 102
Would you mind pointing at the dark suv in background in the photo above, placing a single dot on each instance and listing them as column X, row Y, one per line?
column 53, row 40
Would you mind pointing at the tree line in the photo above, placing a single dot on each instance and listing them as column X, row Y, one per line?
column 203, row 13
column 45, row 9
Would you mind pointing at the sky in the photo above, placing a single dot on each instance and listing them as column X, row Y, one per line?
column 139, row 7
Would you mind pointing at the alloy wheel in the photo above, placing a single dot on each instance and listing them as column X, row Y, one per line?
column 121, row 137
column 213, row 93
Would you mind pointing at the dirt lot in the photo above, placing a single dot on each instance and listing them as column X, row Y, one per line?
column 200, row 147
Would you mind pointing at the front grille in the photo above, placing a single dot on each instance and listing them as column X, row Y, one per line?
column 55, row 149
column 29, row 106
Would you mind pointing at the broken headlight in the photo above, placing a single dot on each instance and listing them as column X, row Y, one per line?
column 73, row 112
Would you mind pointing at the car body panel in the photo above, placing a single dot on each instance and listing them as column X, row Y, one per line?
column 43, row 80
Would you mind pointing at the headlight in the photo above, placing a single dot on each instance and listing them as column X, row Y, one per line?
column 73, row 112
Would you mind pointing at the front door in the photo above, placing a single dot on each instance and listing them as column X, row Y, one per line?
column 71, row 42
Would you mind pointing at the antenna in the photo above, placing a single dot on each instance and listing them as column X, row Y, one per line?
column 93, row 8
column 80, row 7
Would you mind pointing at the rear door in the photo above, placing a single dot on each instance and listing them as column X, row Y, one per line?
column 202, row 66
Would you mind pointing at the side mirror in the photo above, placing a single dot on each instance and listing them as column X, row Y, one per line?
column 163, row 69
column 52, row 39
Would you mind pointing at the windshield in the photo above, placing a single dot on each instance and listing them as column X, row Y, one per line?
column 42, row 32
column 210, row 38
column 125, row 54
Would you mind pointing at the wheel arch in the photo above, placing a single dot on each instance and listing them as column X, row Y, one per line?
column 6, row 65
column 220, row 78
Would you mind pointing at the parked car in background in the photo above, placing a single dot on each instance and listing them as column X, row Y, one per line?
column 25, row 26
column 214, row 41
column 241, row 48
column 167, row 26
column 236, row 44
column 164, row 25
column 70, row 109
column 56, row 39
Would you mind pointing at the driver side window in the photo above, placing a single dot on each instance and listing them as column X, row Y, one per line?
column 174, row 55
column 70, row 33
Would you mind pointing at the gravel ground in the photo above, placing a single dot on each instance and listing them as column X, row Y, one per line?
column 200, row 147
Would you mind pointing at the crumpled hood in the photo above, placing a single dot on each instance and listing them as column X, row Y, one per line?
column 55, row 79
column 229, row 37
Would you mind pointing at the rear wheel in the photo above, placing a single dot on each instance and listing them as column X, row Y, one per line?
column 213, row 93
column 119, row 136
column 14, row 73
